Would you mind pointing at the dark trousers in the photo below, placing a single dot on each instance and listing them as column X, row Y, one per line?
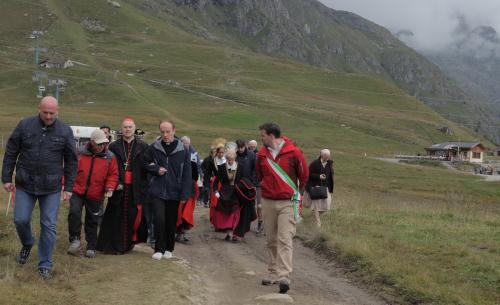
column 92, row 219
column 165, row 220
column 205, row 193
column 147, row 211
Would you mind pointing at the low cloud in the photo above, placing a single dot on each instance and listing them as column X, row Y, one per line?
column 432, row 22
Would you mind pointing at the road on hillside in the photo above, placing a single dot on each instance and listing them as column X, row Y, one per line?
column 229, row 273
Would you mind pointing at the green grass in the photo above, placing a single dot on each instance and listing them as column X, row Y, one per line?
column 441, row 251
column 432, row 220
column 425, row 235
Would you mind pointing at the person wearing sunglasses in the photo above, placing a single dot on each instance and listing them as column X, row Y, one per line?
column 97, row 177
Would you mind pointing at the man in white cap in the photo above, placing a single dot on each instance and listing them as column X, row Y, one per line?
column 97, row 178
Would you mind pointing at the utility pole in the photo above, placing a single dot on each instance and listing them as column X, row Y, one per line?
column 37, row 50
column 57, row 92
column 38, row 36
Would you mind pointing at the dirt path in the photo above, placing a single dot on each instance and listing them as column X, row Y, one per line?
column 226, row 273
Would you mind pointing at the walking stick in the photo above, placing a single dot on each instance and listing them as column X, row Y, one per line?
column 8, row 204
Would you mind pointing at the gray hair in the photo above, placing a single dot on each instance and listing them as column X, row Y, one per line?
column 325, row 152
column 252, row 142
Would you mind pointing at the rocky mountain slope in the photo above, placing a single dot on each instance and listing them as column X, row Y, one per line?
column 310, row 32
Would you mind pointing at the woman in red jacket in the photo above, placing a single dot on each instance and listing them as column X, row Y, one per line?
column 97, row 177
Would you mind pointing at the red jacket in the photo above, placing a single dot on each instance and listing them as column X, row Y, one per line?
column 292, row 161
column 103, row 171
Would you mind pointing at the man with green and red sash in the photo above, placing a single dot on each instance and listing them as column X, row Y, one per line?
column 282, row 172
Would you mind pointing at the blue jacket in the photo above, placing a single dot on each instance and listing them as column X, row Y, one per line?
column 42, row 156
column 176, row 184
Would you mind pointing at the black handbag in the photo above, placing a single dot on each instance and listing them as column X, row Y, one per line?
column 318, row 192
column 228, row 200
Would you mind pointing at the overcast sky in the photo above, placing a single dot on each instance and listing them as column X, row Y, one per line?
column 432, row 21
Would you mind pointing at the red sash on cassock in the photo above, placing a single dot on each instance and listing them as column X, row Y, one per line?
column 129, row 177
column 186, row 210
column 137, row 222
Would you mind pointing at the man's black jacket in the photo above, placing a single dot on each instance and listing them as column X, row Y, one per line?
column 42, row 156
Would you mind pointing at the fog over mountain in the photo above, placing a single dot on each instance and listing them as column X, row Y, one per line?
column 433, row 23
column 460, row 36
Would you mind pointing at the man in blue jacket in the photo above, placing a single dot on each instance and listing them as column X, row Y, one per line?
column 42, row 151
column 169, row 163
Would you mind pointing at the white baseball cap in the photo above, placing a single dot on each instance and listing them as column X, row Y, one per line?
column 99, row 137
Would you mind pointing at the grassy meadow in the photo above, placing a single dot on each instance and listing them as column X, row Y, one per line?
column 421, row 235
column 416, row 235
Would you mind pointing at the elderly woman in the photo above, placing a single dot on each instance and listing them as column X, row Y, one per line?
column 320, row 175
column 225, row 203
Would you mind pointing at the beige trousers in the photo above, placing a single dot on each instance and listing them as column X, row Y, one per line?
column 279, row 226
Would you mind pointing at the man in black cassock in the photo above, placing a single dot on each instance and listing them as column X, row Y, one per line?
column 121, row 225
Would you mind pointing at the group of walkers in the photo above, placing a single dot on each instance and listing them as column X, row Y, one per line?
column 152, row 190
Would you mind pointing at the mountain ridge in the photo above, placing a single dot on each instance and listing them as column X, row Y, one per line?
column 314, row 34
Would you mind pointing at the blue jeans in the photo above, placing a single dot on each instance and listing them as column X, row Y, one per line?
column 49, row 208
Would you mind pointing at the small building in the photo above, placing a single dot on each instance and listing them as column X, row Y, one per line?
column 458, row 151
column 56, row 63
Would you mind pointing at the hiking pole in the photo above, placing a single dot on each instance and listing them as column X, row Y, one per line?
column 8, row 204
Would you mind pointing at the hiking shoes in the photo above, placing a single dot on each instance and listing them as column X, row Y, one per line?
column 24, row 254
column 74, row 247
column 260, row 228
column 284, row 287
column 90, row 253
column 44, row 273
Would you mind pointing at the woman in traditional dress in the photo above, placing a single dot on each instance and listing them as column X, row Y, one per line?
column 212, row 166
column 225, row 205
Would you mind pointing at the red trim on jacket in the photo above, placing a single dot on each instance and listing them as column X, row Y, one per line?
column 104, row 175
column 292, row 161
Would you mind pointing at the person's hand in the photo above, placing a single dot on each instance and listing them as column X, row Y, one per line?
column 182, row 201
column 322, row 176
column 217, row 194
column 108, row 194
column 119, row 187
column 9, row 186
column 67, row 195
column 162, row 171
